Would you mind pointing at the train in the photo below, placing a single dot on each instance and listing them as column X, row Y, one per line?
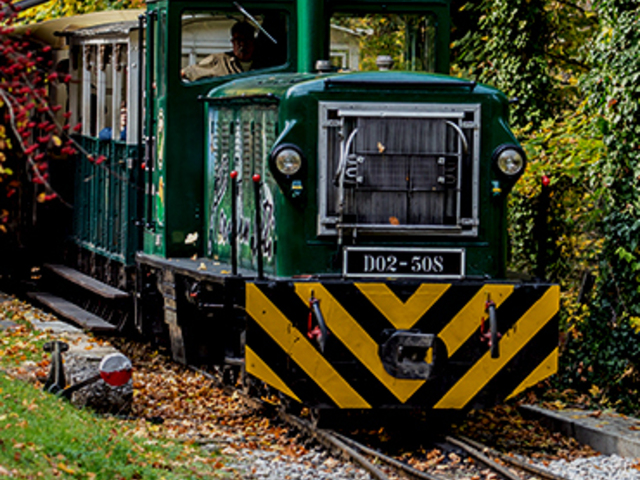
column 298, row 193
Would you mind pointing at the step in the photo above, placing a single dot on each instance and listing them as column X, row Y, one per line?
column 86, row 320
column 88, row 283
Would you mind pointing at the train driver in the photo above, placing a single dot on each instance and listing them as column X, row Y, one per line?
column 238, row 60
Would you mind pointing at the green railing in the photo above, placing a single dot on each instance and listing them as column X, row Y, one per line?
column 105, row 199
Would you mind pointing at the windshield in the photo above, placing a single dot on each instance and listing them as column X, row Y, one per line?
column 218, row 44
column 405, row 41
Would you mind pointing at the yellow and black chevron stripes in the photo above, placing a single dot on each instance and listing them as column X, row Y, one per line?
column 259, row 369
column 350, row 372
column 465, row 323
column 547, row 367
column 296, row 345
column 356, row 339
column 513, row 341
column 403, row 315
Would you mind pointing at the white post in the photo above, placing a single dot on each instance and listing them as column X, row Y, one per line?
column 132, row 92
column 87, row 65
column 101, row 87
column 118, row 71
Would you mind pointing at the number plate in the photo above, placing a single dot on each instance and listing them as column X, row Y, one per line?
column 403, row 262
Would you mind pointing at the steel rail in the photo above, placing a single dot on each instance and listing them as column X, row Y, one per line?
column 350, row 447
column 330, row 440
column 414, row 472
column 326, row 438
column 478, row 455
column 516, row 462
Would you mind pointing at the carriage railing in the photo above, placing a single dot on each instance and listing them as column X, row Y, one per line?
column 104, row 220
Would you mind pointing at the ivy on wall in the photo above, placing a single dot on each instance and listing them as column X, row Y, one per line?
column 506, row 50
column 607, row 350
column 575, row 67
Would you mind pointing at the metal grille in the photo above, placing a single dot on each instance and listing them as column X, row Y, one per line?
column 397, row 168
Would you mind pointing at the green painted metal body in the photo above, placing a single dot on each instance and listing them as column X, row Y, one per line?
column 298, row 249
column 185, row 173
column 174, row 111
column 175, row 119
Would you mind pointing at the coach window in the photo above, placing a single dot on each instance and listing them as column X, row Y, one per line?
column 103, row 90
column 357, row 40
column 214, row 45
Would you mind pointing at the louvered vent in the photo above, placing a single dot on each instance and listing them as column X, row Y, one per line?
column 398, row 168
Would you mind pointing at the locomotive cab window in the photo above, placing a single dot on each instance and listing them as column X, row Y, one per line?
column 383, row 41
column 221, row 44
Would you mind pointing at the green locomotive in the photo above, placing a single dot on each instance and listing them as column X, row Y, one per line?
column 295, row 208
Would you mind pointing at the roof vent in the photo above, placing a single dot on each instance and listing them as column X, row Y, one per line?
column 323, row 66
column 384, row 62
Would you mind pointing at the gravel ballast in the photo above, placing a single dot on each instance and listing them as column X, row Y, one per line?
column 600, row 467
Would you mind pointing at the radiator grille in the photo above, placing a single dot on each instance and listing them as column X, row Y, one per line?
column 398, row 168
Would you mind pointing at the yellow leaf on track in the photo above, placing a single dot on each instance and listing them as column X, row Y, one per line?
column 66, row 469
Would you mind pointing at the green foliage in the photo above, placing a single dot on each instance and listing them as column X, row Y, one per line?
column 569, row 150
column 67, row 8
column 45, row 437
column 405, row 38
column 532, row 50
column 507, row 51
column 607, row 342
column 576, row 69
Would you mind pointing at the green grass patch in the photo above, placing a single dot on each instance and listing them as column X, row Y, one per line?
column 44, row 437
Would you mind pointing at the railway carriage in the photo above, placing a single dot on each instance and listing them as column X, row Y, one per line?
column 331, row 227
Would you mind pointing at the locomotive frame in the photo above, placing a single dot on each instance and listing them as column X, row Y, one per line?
column 372, row 276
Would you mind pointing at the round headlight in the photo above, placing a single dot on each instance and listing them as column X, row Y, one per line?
column 510, row 161
column 288, row 161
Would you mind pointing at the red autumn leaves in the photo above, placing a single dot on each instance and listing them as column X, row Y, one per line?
column 33, row 125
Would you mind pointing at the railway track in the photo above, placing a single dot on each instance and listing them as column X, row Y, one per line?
column 369, row 459
column 382, row 466
column 357, row 446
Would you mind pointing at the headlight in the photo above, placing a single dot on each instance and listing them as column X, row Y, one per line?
column 288, row 160
column 510, row 160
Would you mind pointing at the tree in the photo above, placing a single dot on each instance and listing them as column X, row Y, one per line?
column 612, row 329
column 586, row 141
column 507, row 50
column 68, row 8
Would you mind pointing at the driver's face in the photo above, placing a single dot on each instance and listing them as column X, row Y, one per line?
column 242, row 47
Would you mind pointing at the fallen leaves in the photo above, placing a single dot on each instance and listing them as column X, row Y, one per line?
column 504, row 429
column 188, row 406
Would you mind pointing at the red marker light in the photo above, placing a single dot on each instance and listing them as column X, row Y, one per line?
column 546, row 180
column 256, row 177
column 234, row 174
column 115, row 369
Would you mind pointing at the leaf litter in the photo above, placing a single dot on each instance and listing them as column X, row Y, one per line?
column 173, row 401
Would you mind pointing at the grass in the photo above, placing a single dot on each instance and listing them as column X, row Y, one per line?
column 44, row 437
